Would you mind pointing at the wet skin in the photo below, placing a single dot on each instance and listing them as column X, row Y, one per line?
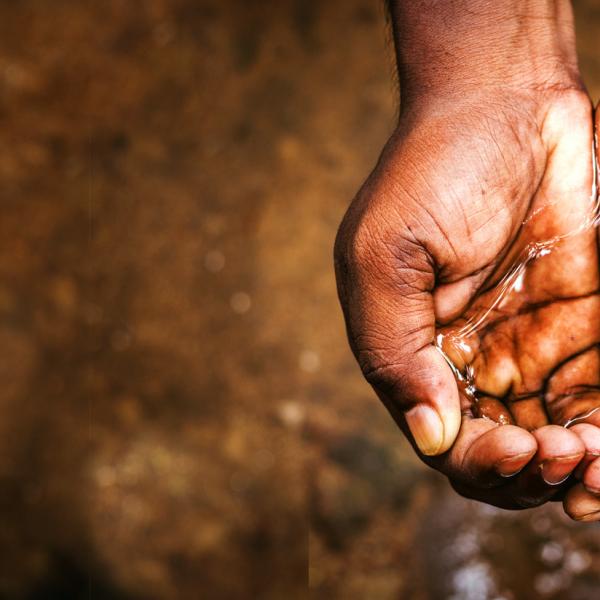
column 455, row 202
column 526, row 351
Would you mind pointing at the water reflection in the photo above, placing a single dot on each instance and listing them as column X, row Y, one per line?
column 477, row 552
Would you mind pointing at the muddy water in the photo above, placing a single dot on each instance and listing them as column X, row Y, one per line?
column 477, row 552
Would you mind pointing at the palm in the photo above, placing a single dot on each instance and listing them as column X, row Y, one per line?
column 525, row 350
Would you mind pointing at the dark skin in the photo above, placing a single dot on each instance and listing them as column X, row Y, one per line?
column 495, row 130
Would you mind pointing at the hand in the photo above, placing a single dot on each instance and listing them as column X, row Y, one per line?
column 527, row 349
column 439, row 218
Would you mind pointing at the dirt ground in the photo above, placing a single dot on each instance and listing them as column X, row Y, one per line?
column 179, row 402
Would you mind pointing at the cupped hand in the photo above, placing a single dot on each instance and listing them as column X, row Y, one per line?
column 462, row 193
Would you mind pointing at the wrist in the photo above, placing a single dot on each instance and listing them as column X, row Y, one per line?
column 457, row 47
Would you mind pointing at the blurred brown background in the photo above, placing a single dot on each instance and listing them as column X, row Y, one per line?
column 178, row 400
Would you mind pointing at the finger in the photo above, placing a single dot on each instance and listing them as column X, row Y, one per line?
column 559, row 453
column 451, row 299
column 573, row 391
column 580, row 505
column 485, row 454
column 590, row 436
column 492, row 408
column 591, row 478
column 491, row 456
column 385, row 291
column 427, row 389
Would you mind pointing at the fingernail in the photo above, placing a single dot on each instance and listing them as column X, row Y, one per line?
column 513, row 465
column 426, row 427
column 557, row 470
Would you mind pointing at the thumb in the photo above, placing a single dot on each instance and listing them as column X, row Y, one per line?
column 421, row 394
column 387, row 301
